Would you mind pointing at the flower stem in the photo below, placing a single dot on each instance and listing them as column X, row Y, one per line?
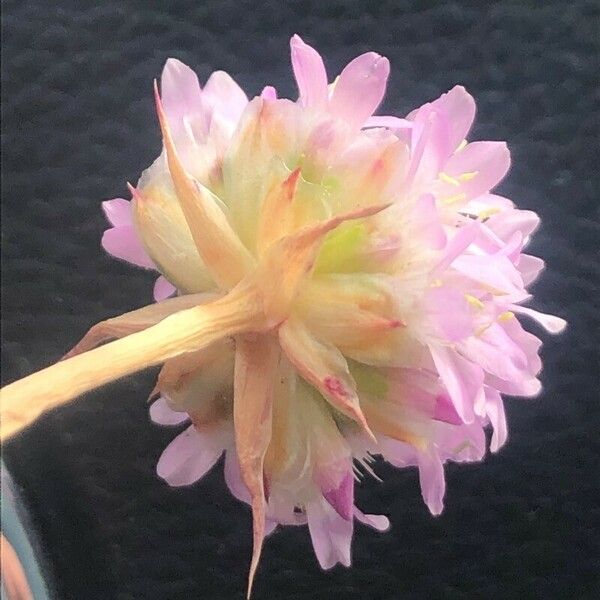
column 23, row 401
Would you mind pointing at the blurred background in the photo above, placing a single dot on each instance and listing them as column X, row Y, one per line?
column 78, row 122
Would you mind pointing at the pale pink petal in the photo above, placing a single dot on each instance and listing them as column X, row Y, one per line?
column 433, row 483
column 497, row 417
column 495, row 273
column 445, row 411
column 379, row 522
column 233, row 477
column 398, row 453
column 189, row 457
column 342, row 497
column 180, row 91
column 163, row 289
column 360, row 88
column 551, row 323
column 506, row 223
column 427, row 222
column 124, row 243
column 462, row 444
column 530, row 267
column 458, row 106
column 486, row 203
column 463, row 238
column 487, row 162
column 269, row 93
column 495, row 352
column 118, row 212
column 528, row 343
column 162, row 414
column 463, row 380
column 448, row 314
column 224, row 96
column 430, row 146
column 528, row 385
column 310, row 73
column 270, row 526
column 331, row 534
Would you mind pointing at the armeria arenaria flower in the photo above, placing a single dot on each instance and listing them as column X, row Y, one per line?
column 346, row 287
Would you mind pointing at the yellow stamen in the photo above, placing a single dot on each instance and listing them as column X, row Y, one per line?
column 456, row 198
column 474, row 302
column 467, row 176
column 488, row 212
column 506, row 316
column 448, row 179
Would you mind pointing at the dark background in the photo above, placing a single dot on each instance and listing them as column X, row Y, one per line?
column 78, row 123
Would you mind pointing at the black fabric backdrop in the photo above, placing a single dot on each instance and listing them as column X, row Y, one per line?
column 79, row 122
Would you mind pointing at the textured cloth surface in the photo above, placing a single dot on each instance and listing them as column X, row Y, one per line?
column 78, row 122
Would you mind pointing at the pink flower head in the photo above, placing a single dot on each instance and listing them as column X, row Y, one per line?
column 348, row 286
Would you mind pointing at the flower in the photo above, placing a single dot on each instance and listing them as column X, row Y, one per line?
column 348, row 286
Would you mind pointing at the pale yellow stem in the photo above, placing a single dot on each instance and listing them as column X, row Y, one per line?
column 186, row 331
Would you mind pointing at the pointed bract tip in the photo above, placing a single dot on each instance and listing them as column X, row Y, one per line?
column 135, row 193
column 296, row 40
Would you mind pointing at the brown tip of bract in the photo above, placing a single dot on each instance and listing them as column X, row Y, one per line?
column 362, row 421
column 160, row 111
column 135, row 193
column 258, row 527
column 291, row 183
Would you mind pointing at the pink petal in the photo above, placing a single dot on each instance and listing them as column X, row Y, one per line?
column 118, row 212
column 123, row 243
column 506, row 223
column 430, row 147
column 528, row 343
column 445, row 411
column 163, row 289
column 495, row 413
column 496, row 353
column 310, row 73
column 488, row 160
column 462, row 444
column 189, row 457
column 493, row 272
column 463, row 238
column 269, row 93
column 488, row 201
column 463, row 380
column 224, row 96
column 551, row 323
column 180, row 91
column 427, row 222
column 360, row 88
column 448, row 314
column 342, row 497
column 331, row 534
column 379, row 522
column 233, row 477
column 530, row 267
column 398, row 453
column 270, row 526
column 458, row 107
column 433, row 483
column 162, row 414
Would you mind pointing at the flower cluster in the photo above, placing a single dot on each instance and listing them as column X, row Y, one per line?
column 378, row 278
